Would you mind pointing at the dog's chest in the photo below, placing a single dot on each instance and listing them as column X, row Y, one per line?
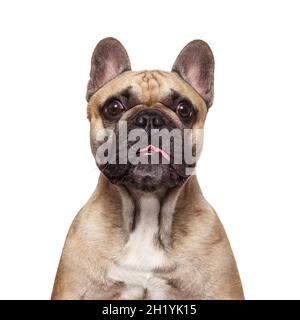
column 140, row 256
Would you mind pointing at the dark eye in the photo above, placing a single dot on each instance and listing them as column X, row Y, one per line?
column 113, row 108
column 184, row 109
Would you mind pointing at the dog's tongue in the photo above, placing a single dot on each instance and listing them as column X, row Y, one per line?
column 150, row 149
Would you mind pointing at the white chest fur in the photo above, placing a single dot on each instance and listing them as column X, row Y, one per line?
column 141, row 256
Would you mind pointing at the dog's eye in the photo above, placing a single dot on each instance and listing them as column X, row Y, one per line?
column 184, row 109
column 113, row 109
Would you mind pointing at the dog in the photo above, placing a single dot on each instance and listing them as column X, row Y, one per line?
column 147, row 231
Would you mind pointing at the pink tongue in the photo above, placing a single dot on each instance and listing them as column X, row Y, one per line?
column 150, row 147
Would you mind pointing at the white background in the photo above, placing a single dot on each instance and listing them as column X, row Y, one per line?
column 249, row 169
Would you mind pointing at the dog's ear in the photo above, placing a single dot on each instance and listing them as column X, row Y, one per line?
column 195, row 64
column 109, row 59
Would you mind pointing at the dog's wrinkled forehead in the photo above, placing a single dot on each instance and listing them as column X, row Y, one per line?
column 150, row 87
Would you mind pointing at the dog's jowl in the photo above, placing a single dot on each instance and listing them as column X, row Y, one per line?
column 147, row 231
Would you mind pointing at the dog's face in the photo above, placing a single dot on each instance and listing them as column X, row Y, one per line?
column 129, row 110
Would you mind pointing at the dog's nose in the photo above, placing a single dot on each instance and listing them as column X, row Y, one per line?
column 150, row 119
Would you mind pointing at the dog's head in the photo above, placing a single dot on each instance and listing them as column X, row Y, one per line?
column 147, row 127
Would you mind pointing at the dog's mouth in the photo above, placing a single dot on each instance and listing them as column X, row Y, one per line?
column 150, row 150
column 147, row 164
column 154, row 170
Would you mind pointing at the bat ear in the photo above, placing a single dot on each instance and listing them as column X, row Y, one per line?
column 195, row 64
column 109, row 59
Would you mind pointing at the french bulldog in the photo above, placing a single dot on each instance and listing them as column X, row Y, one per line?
column 147, row 231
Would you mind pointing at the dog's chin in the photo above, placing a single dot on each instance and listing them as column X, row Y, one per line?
column 145, row 177
column 150, row 177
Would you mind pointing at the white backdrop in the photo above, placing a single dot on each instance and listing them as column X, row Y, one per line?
column 249, row 169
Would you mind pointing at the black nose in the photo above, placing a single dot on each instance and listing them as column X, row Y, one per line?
column 150, row 119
